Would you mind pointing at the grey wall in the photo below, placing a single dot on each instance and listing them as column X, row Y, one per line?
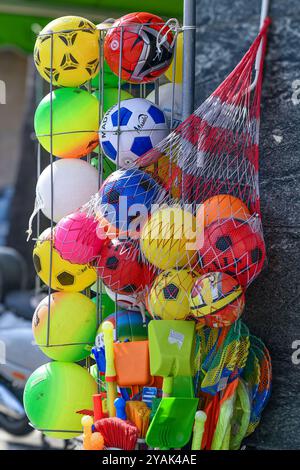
column 225, row 30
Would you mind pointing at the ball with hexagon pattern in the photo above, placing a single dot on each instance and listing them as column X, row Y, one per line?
column 129, row 132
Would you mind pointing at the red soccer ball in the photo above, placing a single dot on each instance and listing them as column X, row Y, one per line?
column 121, row 268
column 232, row 246
column 142, row 62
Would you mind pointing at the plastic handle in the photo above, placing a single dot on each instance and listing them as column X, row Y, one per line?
column 167, row 388
column 200, row 418
column 108, row 333
column 110, row 372
column 120, row 405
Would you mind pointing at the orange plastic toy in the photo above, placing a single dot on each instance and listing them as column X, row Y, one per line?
column 132, row 363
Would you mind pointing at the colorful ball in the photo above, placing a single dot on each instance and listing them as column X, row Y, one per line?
column 76, row 239
column 170, row 101
column 74, row 183
column 234, row 247
column 179, row 62
column 130, row 326
column 125, row 199
column 65, row 276
column 168, row 238
column 124, row 301
column 216, row 300
column 74, row 123
column 121, row 268
column 141, row 61
column 142, row 124
column 222, row 206
column 109, row 78
column 107, row 304
column 170, row 293
column 70, row 46
column 111, row 96
column 72, row 326
column 54, row 393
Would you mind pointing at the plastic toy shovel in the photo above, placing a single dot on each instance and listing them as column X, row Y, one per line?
column 172, row 424
column 171, row 345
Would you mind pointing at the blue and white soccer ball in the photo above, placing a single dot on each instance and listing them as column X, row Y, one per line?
column 142, row 126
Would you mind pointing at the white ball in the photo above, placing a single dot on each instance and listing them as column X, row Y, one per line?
column 74, row 182
column 128, row 302
column 142, row 126
column 166, row 101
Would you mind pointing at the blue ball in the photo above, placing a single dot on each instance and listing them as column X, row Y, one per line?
column 126, row 198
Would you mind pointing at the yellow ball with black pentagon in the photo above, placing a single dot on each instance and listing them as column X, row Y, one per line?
column 70, row 47
column 65, row 276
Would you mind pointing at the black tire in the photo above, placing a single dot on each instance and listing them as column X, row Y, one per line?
column 15, row 427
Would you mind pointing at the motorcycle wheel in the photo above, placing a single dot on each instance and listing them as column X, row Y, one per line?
column 16, row 427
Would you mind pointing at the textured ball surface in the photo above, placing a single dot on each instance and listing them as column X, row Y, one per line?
column 125, row 199
column 222, row 206
column 121, row 268
column 233, row 247
column 168, row 238
column 74, row 123
column 216, row 300
column 65, row 276
column 72, row 326
column 141, row 61
column 130, row 326
column 170, row 293
column 74, row 183
column 142, row 126
column 68, row 45
column 54, row 393
column 76, row 239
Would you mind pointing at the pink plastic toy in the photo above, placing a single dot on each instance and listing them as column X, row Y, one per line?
column 76, row 238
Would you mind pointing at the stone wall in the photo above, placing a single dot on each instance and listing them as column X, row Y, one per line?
column 226, row 28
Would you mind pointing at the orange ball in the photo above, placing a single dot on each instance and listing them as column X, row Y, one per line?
column 222, row 206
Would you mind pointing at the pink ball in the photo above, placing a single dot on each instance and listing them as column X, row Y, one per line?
column 76, row 238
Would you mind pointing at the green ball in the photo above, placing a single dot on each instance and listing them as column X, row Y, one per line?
column 54, row 393
column 75, row 122
column 109, row 78
column 111, row 96
column 108, row 305
column 73, row 326
column 108, row 166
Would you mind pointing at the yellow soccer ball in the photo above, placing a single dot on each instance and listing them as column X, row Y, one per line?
column 170, row 293
column 66, row 276
column 168, row 238
column 75, row 51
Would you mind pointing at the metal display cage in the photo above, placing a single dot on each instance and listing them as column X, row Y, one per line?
column 187, row 29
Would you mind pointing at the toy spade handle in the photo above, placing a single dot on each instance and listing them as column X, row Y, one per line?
column 200, row 418
column 167, row 387
column 110, row 372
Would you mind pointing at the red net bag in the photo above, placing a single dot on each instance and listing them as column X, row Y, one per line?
column 191, row 206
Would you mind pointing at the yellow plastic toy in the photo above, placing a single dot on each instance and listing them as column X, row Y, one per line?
column 91, row 440
column 110, row 373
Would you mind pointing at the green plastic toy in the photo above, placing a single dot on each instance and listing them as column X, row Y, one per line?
column 171, row 345
column 172, row 425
